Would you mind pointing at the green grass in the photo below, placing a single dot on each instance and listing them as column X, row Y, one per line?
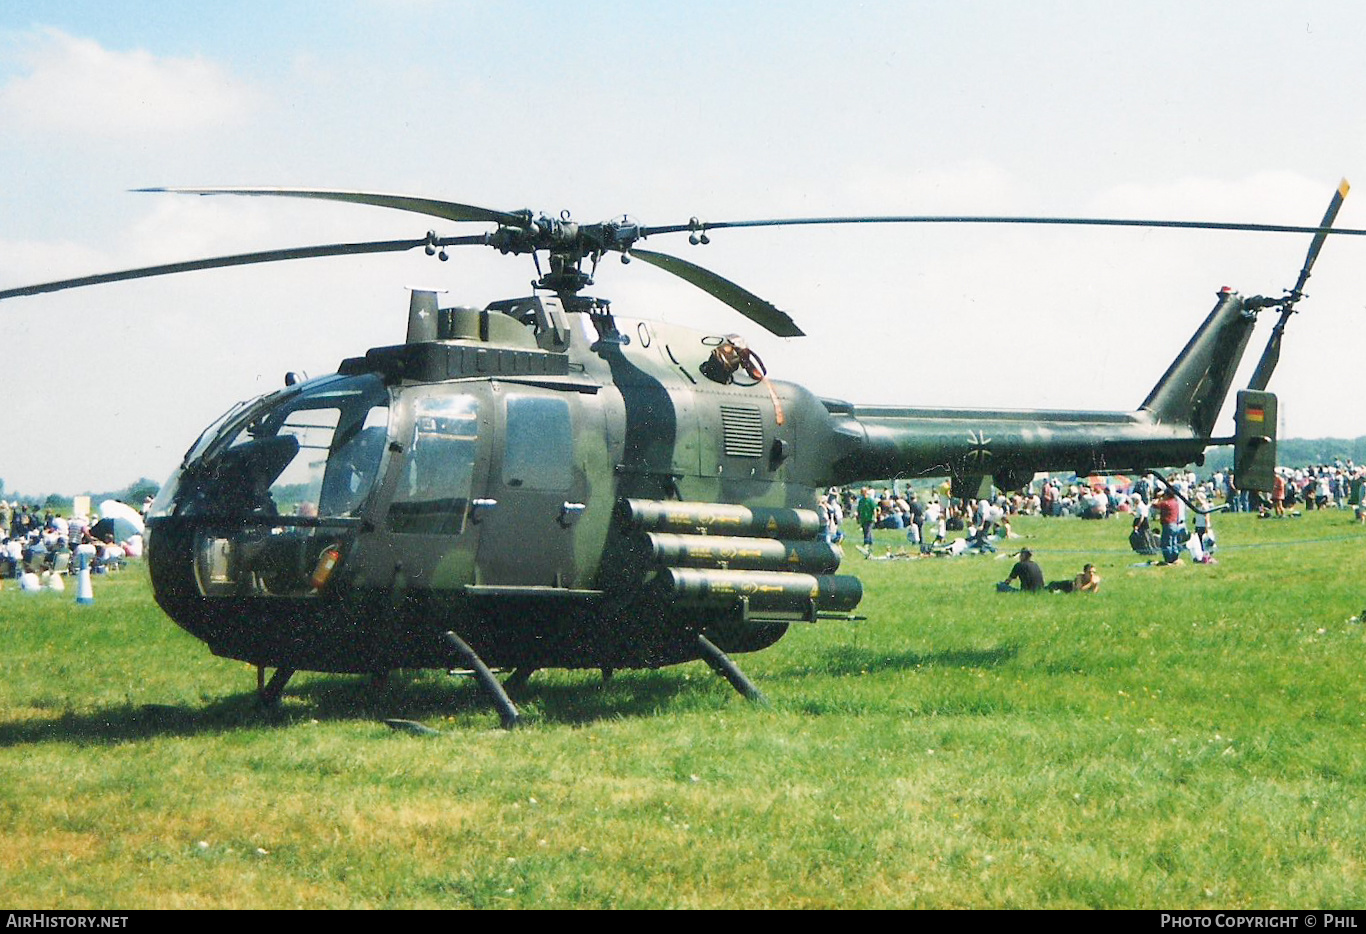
column 1189, row 737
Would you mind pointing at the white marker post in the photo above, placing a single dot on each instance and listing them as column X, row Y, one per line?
column 85, row 593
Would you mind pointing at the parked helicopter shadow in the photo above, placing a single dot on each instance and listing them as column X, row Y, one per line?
column 132, row 722
column 575, row 698
column 340, row 698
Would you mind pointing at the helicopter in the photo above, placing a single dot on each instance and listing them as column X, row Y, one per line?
column 544, row 483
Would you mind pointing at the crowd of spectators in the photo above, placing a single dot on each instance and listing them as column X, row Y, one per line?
column 39, row 547
column 926, row 519
column 1158, row 520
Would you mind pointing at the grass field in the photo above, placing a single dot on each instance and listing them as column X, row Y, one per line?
column 1189, row 737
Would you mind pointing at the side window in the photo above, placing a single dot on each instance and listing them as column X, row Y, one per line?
column 539, row 454
column 433, row 491
column 299, row 485
column 353, row 465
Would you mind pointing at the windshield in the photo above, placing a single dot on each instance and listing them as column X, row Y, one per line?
column 314, row 453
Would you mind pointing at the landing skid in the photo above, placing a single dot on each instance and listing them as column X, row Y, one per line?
column 723, row 666
column 491, row 685
column 269, row 692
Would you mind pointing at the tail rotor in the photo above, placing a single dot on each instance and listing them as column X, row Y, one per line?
column 1272, row 354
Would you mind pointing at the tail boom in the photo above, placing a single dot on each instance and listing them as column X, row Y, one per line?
column 1173, row 426
column 1009, row 445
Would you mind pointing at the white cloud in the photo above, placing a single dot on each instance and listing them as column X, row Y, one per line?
column 74, row 85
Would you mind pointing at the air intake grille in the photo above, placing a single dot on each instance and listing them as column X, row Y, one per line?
column 743, row 426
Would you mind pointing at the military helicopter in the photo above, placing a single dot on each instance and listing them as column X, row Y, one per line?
column 542, row 482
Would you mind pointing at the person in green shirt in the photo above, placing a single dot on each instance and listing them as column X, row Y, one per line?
column 867, row 514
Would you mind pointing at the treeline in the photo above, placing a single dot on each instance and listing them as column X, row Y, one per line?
column 133, row 494
column 1295, row 452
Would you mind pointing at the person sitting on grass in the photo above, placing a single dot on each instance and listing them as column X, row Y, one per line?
column 1141, row 538
column 1026, row 572
column 29, row 582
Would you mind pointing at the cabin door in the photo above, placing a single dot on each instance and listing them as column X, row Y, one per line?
column 536, row 493
column 439, row 465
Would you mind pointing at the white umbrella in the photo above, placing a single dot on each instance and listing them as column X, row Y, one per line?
column 127, row 521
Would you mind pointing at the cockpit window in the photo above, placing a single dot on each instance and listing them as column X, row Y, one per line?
column 353, row 464
column 207, row 436
column 298, row 488
column 314, row 454
column 433, row 490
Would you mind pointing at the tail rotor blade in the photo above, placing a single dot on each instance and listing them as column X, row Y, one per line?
column 1270, row 357
column 1272, row 354
column 1331, row 215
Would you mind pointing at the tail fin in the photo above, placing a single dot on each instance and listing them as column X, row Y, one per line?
column 1194, row 388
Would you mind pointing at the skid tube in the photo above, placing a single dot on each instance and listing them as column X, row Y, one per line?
column 507, row 711
column 723, row 666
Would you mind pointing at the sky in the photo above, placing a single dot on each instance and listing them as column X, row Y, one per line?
column 1237, row 111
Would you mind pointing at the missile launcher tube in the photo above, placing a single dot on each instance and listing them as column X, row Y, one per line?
column 765, row 590
column 737, row 553
column 719, row 518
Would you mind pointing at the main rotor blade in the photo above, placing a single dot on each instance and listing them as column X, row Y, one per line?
column 447, row 210
column 737, row 297
column 972, row 219
column 244, row 259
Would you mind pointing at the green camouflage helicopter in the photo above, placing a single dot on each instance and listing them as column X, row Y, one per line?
column 544, row 483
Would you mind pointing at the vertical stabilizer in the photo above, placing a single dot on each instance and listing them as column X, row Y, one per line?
column 1194, row 388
